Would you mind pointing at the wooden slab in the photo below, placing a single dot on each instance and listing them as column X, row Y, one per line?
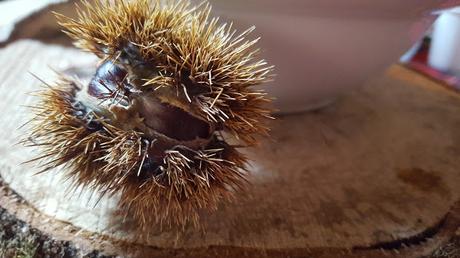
column 377, row 169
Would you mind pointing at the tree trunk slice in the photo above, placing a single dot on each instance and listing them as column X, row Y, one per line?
column 377, row 170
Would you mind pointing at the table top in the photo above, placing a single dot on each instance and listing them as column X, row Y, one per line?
column 375, row 170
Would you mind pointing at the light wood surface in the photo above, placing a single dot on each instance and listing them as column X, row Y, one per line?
column 376, row 170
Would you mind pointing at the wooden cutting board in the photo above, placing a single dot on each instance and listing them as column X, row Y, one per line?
column 377, row 170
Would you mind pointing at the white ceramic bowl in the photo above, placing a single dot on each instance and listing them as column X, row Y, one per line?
column 322, row 48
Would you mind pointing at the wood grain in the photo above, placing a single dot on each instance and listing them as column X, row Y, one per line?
column 378, row 169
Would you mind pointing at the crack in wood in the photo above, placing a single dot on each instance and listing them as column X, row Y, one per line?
column 445, row 228
column 405, row 242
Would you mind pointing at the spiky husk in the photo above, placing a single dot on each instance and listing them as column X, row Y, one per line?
column 202, row 68
column 104, row 158
column 193, row 52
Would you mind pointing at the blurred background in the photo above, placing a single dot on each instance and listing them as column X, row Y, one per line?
column 306, row 40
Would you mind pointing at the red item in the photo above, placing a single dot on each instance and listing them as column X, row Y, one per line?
column 419, row 63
